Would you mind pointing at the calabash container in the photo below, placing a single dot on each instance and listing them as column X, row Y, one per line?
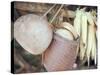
column 61, row 54
column 33, row 33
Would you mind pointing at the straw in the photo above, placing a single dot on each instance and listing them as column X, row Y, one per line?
column 48, row 11
column 57, row 13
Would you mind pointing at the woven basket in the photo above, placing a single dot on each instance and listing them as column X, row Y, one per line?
column 60, row 55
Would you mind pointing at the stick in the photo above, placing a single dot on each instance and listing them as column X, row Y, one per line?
column 48, row 11
column 57, row 13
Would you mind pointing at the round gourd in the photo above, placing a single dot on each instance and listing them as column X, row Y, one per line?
column 33, row 33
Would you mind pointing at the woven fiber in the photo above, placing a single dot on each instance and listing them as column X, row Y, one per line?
column 61, row 54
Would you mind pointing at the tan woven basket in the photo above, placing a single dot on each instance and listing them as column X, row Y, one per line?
column 60, row 55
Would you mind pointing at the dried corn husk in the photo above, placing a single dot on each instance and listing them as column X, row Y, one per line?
column 77, row 21
column 84, row 24
column 83, row 41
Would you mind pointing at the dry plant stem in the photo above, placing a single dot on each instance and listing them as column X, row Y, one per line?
column 48, row 11
column 56, row 13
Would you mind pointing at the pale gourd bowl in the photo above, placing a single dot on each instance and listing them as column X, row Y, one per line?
column 33, row 33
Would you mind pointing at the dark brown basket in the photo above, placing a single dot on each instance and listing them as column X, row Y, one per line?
column 60, row 55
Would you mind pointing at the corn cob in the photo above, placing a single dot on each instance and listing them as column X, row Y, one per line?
column 83, row 41
column 82, row 50
column 84, row 24
column 93, row 53
column 93, row 13
column 77, row 22
column 90, row 43
column 90, row 18
column 91, row 38
column 84, row 29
